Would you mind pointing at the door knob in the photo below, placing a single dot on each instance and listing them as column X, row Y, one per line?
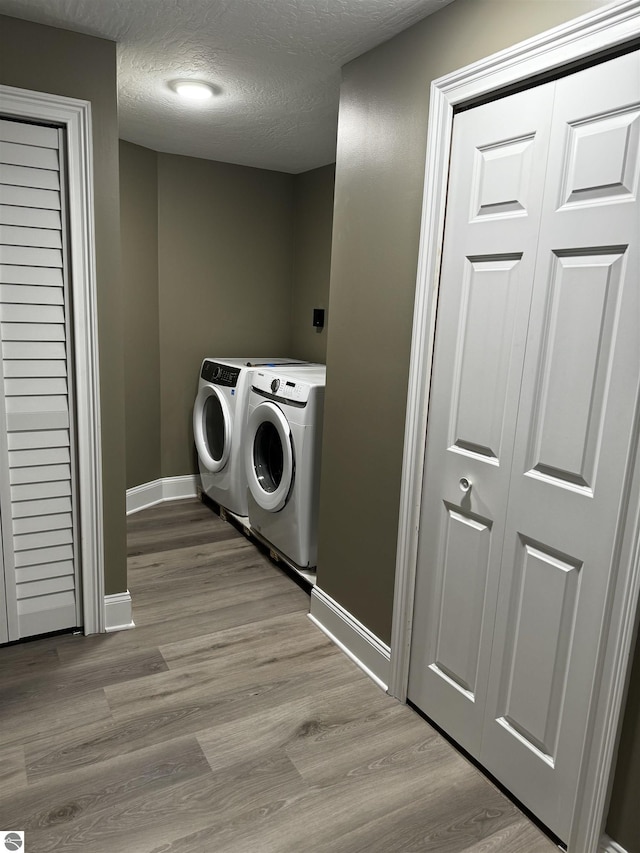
column 465, row 484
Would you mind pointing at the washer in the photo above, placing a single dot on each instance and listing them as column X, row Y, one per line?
column 282, row 459
column 219, row 420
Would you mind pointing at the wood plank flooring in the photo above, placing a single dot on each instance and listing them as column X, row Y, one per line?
column 226, row 722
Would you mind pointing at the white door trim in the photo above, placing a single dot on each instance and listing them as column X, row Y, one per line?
column 570, row 43
column 75, row 117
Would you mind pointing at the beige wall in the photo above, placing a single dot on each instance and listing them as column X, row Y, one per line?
column 312, row 223
column 139, row 230
column 378, row 192
column 59, row 62
column 225, row 249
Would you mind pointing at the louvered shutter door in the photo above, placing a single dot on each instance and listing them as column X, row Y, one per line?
column 36, row 495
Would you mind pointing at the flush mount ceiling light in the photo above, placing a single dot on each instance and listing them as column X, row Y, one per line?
column 193, row 91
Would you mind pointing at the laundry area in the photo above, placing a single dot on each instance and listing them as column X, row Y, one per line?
column 335, row 373
column 257, row 425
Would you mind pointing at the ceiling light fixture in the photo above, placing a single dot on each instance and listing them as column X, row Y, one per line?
column 193, row 91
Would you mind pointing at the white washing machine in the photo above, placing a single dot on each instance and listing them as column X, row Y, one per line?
column 219, row 420
column 282, row 459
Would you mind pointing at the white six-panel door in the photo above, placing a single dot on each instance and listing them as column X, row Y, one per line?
column 534, row 391
column 36, row 422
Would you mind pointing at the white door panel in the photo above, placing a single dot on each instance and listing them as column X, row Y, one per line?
column 538, row 408
column 495, row 198
column 579, row 397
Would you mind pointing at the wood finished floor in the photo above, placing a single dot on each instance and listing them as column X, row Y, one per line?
column 226, row 722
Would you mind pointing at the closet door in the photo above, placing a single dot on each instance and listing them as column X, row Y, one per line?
column 36, row 424
column 497, row 175
column 4, row 627
column 580, row 394
column 514, row 572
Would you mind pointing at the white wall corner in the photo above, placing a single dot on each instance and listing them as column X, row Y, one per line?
column 165, row 489
column 350, row 635
column 117, row 612
column 607, row 845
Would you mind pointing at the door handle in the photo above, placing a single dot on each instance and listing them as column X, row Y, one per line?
column 465, row 484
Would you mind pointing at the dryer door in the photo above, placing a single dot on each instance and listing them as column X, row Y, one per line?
column 269, row 458
column 212, row 428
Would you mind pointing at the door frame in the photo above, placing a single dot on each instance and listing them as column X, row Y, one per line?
column 74, row 116
column 572, row 44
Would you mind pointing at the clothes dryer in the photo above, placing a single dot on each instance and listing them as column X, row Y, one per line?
column 219, row 420
column 282, row 459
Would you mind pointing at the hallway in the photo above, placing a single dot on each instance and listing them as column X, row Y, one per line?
column 226, row 722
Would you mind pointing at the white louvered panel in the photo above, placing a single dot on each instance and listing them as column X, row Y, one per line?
column 37, row 589
column 41, row 556
column 19, row 235
column 39, row 474
column 25, row 294
column 31, row 314
column 45, row 539
column 26, row 197
column 29, row 135
column 44, row 588
column 28, row 156
column 33, row 332
column 19, row 350
column 41, row 438
column 20, row 176
column 34, row 405
column 29, row 217
column 30, row 256
column 37, row 508
column 38, row 456
column 26, row 574
column 33, row 368
column 22, row 421
column 35, row 386
column 38, row 523
column 38, row 491
column 50, row 277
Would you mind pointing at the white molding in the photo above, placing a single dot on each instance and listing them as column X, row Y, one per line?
column 574, row 42
column 157, row 491
column 75, row 116
column 118, row 612
column 350, row 635
column 607, row 845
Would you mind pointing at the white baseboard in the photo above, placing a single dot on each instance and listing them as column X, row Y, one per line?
column 117, row 612
column 356, row 640
column 607, row 845
column 165, row 489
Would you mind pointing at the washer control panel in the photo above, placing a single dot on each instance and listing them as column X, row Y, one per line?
column 220, row 374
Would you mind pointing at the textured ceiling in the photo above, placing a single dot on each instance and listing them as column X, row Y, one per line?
column 276, row 62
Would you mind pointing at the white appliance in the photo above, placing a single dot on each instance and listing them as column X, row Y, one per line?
column 219, row 420
column 282, row 459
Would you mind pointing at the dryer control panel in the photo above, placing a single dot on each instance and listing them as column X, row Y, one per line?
column 282, row 388
column 220, row 374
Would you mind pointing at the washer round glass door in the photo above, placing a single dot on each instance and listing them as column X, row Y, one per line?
column 212, row 428
column 269, row 457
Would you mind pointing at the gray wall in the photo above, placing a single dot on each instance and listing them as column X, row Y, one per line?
column 139, row 235
column 225, row 247
column 230, row 261
column 379, row 176
column 312, row 225
column 59, row 62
